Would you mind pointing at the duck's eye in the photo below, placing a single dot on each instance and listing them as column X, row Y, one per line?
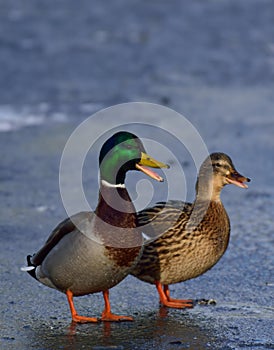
column 217, row 165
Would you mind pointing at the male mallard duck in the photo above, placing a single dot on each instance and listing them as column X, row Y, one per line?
column 92, row 252
column 191, row 238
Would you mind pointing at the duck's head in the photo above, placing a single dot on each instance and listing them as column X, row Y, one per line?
column 122, row 152
column 218, row 170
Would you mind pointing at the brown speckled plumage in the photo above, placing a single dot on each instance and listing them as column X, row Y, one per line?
column 187, row 239
column 164, row 258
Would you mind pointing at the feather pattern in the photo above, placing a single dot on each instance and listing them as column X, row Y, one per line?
column 187, row 239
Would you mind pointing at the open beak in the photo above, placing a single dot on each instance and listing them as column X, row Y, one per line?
column 145, row 161
column 237, row 179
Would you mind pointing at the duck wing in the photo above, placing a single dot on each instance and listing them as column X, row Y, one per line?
column 157, row 219
column 63, row 229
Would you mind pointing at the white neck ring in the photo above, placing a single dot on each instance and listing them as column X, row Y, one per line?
column 108, row 184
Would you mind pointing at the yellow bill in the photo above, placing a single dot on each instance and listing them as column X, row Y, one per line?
column 147, row 161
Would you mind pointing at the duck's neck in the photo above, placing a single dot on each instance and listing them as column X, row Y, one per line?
column 115, row 206
column 208, row 190
column 209, row 210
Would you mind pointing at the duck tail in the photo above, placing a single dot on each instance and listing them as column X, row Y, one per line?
column 30, row 268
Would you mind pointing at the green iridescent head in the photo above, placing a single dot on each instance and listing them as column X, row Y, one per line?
column 122, row 152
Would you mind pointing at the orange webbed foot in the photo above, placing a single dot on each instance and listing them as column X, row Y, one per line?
column 75, row 317
column 167, row 301
column 110, row 317
column 83, row 319
column 177, row 304
column 184, row 303
column 107, row 315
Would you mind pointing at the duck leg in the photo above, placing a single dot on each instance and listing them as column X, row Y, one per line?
column 75, row 317
column 107, row 315
column 186, row 302
column 166, row 300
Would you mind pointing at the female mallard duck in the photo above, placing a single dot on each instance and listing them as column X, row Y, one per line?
column 92, row 252
column 191, row 238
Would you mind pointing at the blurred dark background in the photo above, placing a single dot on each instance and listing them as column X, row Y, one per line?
column 84, row 53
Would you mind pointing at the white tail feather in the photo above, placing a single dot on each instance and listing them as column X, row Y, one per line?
column 27, row 268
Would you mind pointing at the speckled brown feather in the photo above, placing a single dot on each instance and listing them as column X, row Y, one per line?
column 187, row 239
